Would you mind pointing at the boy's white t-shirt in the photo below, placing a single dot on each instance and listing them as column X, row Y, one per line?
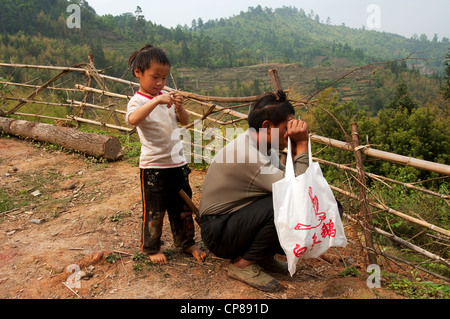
column 161, row 146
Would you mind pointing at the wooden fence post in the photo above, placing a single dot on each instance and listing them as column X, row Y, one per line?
column 368, row 226
column 276, row 83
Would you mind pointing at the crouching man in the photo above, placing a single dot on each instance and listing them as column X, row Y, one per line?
column 236, row 210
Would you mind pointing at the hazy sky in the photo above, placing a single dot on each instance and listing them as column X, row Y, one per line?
column 404, row 17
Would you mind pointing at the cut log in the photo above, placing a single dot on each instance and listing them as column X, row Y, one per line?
column 104, row 146
column 5, row 123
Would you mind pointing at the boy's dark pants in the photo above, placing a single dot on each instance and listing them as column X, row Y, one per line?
column 249, row 233
column 160, row 188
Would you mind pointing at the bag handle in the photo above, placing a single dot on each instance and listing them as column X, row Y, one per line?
column 290, row 173
column 309, row 151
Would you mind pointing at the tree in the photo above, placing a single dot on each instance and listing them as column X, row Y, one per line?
column 194, row 25
column 200, row 24
column 446, row 86
column 403, row 99
column 185, row 53
column 140, row 21
column 435, row 38
column 138, row 13
column 98, row 54
column 423, row 37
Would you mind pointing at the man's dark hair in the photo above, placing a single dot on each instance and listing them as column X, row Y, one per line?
column 271, row 107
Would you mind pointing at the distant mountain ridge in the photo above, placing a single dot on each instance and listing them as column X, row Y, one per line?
column 289, row 33
column 257, row 36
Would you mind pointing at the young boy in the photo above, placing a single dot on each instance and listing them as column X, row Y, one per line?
column 164, row 173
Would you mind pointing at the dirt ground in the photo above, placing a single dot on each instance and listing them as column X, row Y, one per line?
column 78, row 226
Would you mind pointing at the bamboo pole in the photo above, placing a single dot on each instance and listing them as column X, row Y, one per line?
column 42, row 116
column 396, row 213
column 35, row 102
column 399, row 159
column 389, row 256
column 102, row 92
column 413, row 247
column 219, row 98
column 48, row 67
column 116, row 127
column 381, row 178
column 78, row 103
column 216, row 107
column 405, row 243
column 201, row 117
column 222, row 109
column 34, row 86
column 41, row 88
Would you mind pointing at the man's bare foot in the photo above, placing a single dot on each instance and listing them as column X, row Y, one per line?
column 158, row 258
column 196, row 252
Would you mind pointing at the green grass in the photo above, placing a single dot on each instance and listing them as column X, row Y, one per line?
column 418, row 289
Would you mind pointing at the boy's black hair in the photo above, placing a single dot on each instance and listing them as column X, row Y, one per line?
column 142, row 58
column 271, row 107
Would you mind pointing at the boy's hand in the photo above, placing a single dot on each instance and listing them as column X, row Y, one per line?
column 171, row 99
column 165, row 98
column 177, row 100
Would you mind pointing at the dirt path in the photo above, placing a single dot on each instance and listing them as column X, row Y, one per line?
column 75, row 214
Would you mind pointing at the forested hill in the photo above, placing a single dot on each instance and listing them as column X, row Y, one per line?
column 289, row 33
column 33, row 31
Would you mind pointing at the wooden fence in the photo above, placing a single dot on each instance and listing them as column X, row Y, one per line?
column 93, row 103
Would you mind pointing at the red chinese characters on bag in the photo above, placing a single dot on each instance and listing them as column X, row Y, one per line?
column 315, row 241
column 298, row 250
column 327, row 229
column 320, row 216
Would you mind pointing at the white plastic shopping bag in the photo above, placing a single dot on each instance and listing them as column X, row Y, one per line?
column 306, row 213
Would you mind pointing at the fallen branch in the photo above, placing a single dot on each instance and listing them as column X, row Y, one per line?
column 67, row 286
column 122, row 253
